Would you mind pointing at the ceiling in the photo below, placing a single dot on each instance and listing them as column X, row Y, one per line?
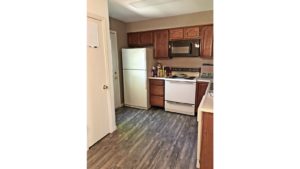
column 138, row 10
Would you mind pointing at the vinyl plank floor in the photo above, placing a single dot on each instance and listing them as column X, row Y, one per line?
column 147, row 139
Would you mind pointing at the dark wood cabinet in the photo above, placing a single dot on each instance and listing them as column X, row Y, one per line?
column 161, row 44
column 206, row 152
column 159, row 39
column 207, row 42
column 184, row 33
column 146, row 38
column 191, row 33
column 157, row 92
column 176, row 34
column 140, row 39
column 200, row 91
column 133, row 39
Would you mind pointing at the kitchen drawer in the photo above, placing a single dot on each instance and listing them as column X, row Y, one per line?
column 157, row 101
column 156, row 82
column 157, row 90
column 180, row 108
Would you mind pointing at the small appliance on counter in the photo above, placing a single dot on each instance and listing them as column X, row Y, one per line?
column 207, row 71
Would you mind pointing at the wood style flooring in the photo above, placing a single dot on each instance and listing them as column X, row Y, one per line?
column 147, row 139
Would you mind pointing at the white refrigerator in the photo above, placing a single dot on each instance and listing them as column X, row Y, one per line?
column 137, row 64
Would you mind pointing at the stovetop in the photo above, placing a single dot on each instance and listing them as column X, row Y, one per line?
column 183, row 77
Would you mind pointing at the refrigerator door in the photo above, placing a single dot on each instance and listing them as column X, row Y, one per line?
column 134, row 58
column 136, row 88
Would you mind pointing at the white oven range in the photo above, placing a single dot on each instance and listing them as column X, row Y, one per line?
column 180, row 96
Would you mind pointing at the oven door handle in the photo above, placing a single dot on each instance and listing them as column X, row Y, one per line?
column 172, row 102
column 177, row 81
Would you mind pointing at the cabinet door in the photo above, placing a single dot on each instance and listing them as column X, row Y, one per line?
column 133, row 39
column 161, row 44
column 207, row 42
column 191, row 33
column 206, row 154
column 146, row 38
column 176, row 34
column 200, row 91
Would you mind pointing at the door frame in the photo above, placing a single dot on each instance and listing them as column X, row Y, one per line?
column 118, row 68
column 108, row 57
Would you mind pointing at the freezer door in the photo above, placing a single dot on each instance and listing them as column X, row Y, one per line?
column 134, row 58
column 136, row 88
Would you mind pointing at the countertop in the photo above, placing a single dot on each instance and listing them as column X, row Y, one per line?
column 196, row 80
column 206, row 104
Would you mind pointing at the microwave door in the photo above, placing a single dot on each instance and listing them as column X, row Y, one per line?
column 181, row 49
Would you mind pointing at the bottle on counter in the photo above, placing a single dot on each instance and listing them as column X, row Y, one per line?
column 160, row 73
column 153, row 74
column 158, row 68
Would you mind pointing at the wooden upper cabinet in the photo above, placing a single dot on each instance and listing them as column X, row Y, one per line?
column 176, row 34
column 138, row 39
column 161, row 44
column 207, row 42
column 185, row 33
column 133, row 39
column 192, row 32
column 146, row 38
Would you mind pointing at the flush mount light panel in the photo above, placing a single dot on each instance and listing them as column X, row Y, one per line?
column 146, row 3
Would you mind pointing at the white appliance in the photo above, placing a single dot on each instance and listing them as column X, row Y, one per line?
column 180, row 96
column 180, row 92
column 137, row 64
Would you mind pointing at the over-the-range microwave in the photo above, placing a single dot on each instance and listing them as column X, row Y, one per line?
column 184, row 48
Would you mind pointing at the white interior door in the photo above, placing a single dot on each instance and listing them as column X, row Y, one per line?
column 97, row 78
column 116, row 72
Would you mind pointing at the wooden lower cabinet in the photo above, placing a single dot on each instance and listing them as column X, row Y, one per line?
column 157, row 101
column 206, row 152
column 200, row 91
column 157, row 92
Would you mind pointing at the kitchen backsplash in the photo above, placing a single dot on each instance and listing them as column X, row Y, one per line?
column 187, row 62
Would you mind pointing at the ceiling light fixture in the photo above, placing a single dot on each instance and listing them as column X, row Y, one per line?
column 146, row 3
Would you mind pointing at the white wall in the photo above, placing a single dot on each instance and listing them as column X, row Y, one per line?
column 99, row 9
column 199, row 18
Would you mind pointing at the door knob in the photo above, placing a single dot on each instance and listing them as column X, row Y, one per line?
column 105, row 87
